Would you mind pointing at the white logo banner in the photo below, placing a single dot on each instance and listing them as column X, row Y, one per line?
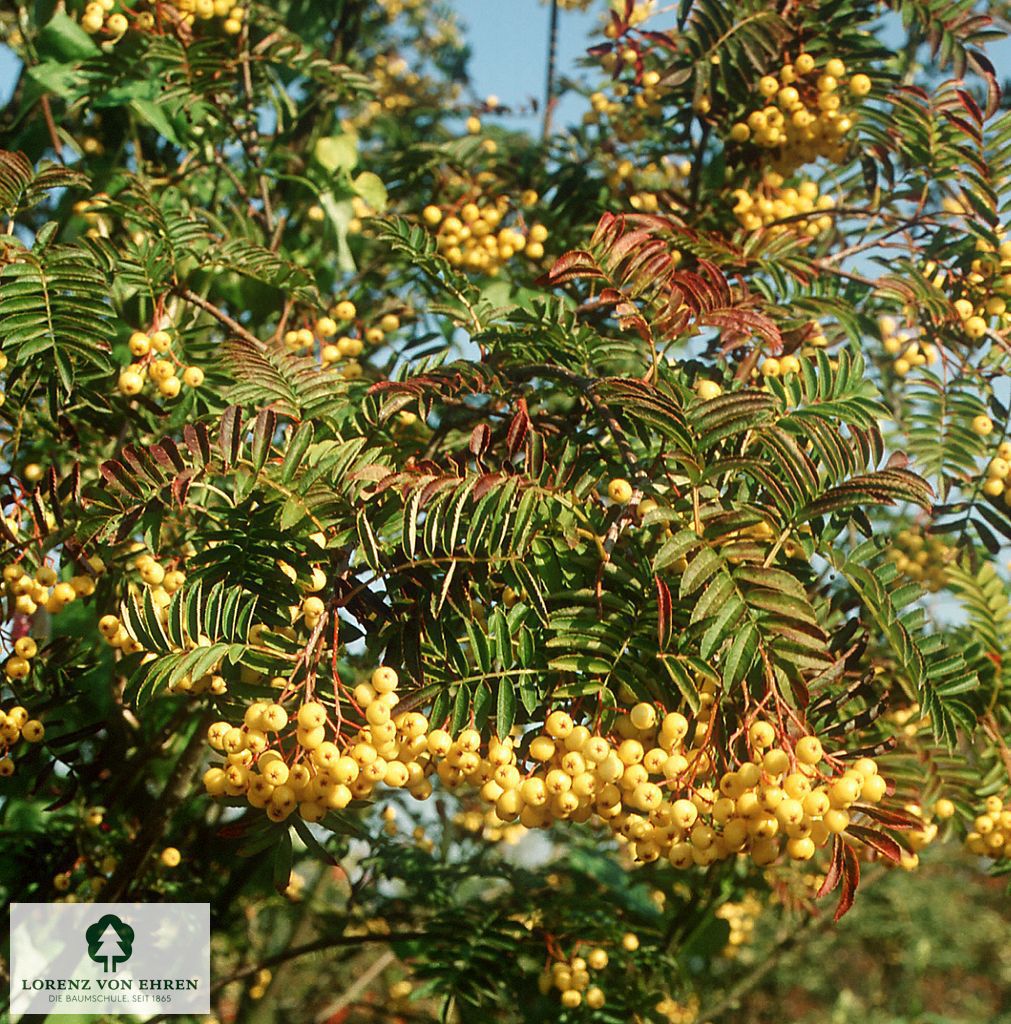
column 121, row 958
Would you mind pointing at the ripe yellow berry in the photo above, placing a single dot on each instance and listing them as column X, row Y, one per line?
column 345, row 310
column 597, row 959
column 944, row 808
column 17, row 668
column 595, row 997
column 707, row 390
column 974, row 327
column 619, row 491
column 311, row 715
column 384, row 680
column 860, row 85
column 982, row 425
column 804, row 63
column 808, row 750
column 643, row 716
column 33, row 731
column 771, row 367
column 762, row 735
column 193, row 376
column 170, row 857
column 130, row 383
column 558, row 725
column 630, row 941
column 26, row 647
column 140, row 344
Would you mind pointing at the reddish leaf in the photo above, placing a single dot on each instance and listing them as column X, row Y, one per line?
column 971, row 106
column 896, row 820
column 167, row 454
column 230, row 434
column 480, row 439
column 181, row 486
column 884, row 844
column 664, row 610
column 833, row 876
column 518, row 429
column 571, row 266
column 198, row 441
column 850, row 881
column 116, row 473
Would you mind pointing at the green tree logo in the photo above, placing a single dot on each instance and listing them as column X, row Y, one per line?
column 110, row 942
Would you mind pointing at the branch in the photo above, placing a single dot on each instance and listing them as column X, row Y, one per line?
column 177, row 788
column 223, row 318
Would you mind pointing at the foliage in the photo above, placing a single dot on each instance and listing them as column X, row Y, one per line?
column 313, row 363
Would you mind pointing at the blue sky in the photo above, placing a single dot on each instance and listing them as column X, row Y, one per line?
column 510, row 42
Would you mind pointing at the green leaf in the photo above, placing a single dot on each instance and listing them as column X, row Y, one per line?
column 337, row 152
column 505, row 708
column 65, row 40
column 371, row 188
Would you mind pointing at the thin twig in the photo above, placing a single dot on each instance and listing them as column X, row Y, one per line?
column 549, row 87
column 176, row 790
column 223, row 318
column 360, row 984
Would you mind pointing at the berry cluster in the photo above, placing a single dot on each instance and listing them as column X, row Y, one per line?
column 571, row 978
column 740, row 916
column 679, row 1013
column 631, row 105
column 44, row 589
column 161, row 584
column 771, row 203
column 658, row 795
column 991, row 830
column 16, row 725
column 474, row 235
column 114, row 19
column 921, row 558
column 779, row 366
column 982, row 293
column 997, row 472
column 280, row 764
column 486, row 824
column 335, row 339
column 803, row 117
column 648, row 185
column 91, row 210
column 908, row 350
column 161, row 373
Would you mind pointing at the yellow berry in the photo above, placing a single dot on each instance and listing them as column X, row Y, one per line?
column 982, row 425
column 170, row 857
column 808, row 750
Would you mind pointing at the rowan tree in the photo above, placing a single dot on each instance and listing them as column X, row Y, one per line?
column 386, row 486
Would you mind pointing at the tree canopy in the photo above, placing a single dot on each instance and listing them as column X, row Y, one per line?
column 507, row 561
